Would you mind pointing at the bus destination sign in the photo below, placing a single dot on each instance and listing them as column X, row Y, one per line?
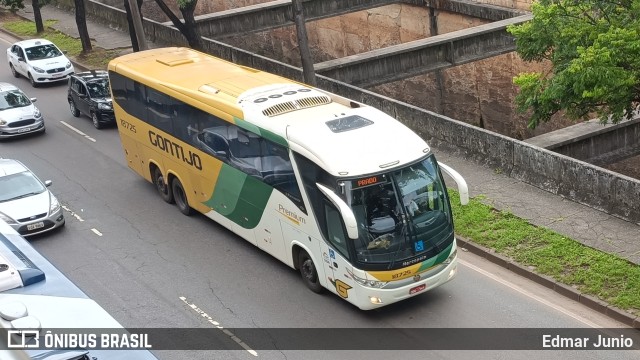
column 370, row 180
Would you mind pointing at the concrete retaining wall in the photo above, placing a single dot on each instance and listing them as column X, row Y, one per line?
column 599, row 188
column 609, row 140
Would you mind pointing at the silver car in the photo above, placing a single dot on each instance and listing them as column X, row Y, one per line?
column 18, row 115
column 25, row 202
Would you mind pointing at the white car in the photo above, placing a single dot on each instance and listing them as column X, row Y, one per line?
column 18, row 114
column 25, row 202
column 39, row 60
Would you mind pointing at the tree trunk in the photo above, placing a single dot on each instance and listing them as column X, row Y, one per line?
column 192, row 34
column 132, row 29
column 37, row 16
column 188, row 28
column 81, row 22
column 308, row 71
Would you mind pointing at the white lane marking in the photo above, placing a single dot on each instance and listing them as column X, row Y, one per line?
column 528, row 294
column 217, row 325
column 95, row 231
column 72, row 213
column 78, row 131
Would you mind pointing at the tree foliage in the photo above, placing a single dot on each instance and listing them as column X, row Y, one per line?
column 13, row 5
column 593, row 47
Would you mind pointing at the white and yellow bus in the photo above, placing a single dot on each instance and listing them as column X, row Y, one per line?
column 334, row 188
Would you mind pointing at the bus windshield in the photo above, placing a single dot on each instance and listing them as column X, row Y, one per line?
column 403, row 216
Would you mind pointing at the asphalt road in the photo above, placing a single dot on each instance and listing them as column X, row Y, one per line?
column 150, row 266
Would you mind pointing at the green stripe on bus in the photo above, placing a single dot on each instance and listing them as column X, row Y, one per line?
column 436, row 259
column 253, row 200
column 262, row 132
column 227, row 191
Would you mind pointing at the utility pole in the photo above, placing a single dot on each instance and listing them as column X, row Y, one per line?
column 137, row 25
column 308, row 71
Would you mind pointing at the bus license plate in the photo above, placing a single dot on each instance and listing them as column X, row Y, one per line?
column 37, row 225
column 417, row 289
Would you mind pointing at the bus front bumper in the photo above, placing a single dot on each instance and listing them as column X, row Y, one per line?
column 369, row 298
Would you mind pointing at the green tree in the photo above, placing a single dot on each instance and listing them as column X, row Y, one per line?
column 593, row 47
column 13, row 5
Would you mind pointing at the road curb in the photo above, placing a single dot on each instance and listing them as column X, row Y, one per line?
column 562, row 289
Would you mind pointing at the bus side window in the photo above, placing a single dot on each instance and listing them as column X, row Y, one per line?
column 185, row 122
column 160, row 110
column 335, row 231
column 118, row 87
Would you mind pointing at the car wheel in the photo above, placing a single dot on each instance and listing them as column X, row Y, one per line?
column 74, row 110
column 180, row 197
column 14, row 72
column 96, row 122
column 163, row 188
column 309, row 272
column 32, row 81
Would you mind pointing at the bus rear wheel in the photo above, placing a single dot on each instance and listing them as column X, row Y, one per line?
column 180, row 197
column 163, row 188
column 309, row 272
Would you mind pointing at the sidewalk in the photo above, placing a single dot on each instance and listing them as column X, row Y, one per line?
column 101, row 35
column 582, row 223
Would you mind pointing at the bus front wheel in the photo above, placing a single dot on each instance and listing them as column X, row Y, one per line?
column 180, row 197
column 163, row 188
column 309, row 272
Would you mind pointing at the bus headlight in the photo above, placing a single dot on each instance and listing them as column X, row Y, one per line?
column 368, row 283
column 451, row 257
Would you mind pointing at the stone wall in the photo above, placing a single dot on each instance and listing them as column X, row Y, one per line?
column 479, row 93
column 593, row 186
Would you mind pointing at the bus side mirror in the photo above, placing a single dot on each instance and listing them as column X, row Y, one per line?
column 463, row 189
column 347, row 215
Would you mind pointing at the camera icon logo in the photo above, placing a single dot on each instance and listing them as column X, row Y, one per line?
column 20, row 339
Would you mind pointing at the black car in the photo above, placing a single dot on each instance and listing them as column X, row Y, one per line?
column 89, row 94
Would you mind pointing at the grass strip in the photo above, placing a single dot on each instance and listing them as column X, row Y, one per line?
column 591, row 271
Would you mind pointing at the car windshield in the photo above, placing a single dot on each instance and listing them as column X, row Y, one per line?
column 13, row 99
column 19, row 185
column 40, row 52
column 98, row 88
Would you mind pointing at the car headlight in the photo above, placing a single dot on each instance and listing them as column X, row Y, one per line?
column 104, row 106
column 68, row 65
column 369, row 283
column 55, row 205
column 7, row 219
column 37, row 114
column 37, row 69
column 3, row 122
